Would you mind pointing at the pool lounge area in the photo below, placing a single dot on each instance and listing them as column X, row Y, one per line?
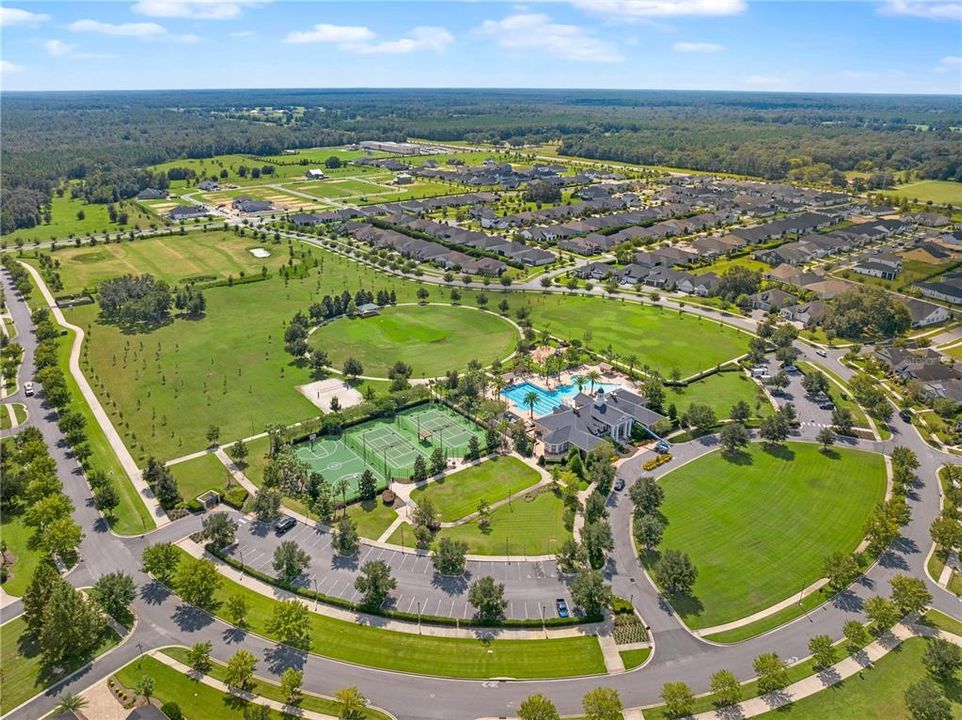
column 548, row 400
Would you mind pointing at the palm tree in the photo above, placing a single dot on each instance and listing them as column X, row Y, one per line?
column 70, row 703
column 580, row 381
column 593, row 376
column 340, row 488
column 530, row 398
column 631, row 359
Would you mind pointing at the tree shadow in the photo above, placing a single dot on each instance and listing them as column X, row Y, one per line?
column 344, row 562
column 782, row 452
column 451, row 584
column 281, row 657
column 831, row 453
column 738, row 457
column 154, row 592
column 191, row 619
column 233, row 635
column 848, row 601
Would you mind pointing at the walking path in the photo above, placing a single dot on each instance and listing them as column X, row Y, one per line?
column 951, row 565
column 235, row 471
column 385, row 623
column 116, row 443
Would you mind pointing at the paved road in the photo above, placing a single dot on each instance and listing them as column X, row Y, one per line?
column 164, row 620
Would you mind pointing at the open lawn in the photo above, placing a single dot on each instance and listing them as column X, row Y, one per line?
column 432, row 339
column 912, row 271
column 372, row 517
column 271, row 691
column 198, row 474
column 338, row 188
column 315, row 157
column 419, row 189
column 23, row 673
column 876, row 693
column 531, row 525
column 720, row 267
column 720, row 391
column 164, row 388
column 940, row 192
column 658, row 337
column 64, row 222
column 423, row 654
column 16, row 535
column 759, row 527
column 458, row 494
column 196, row 256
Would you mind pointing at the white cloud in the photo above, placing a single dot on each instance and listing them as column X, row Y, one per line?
column 535, row 31
column 697, row 47
column 641, row 9
column 242, row 34
column 9, row 68
column 331, row 34
column 145, row 29
column 16, row 16
column 433, row 39
column 930, row 9
column 762, row 82
column 57, row 47
column 360, row 39
column 194, row 9
column 949, row 62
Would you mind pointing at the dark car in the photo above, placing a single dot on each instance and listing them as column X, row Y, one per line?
column 619, row 485
column 905, row 415
column 283, row 524
column 562, row 607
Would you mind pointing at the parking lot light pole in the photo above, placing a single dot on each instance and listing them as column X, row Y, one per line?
column 543, row 628
column 419, row 617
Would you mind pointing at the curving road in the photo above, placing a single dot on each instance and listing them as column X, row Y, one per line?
column 164, row 620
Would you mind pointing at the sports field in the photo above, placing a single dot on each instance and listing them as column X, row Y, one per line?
column 198, row 255
column 759, row 527
column 661, row 338
column 430, row 338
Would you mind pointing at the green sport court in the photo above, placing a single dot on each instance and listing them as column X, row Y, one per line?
column 335, row 460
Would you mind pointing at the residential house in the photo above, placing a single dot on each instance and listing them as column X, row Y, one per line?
column 152, row 194
column 807, row 313
column 772, row 299
column 924, row 313
column 187, row 212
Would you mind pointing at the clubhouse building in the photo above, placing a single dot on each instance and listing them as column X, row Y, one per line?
column 586, row 421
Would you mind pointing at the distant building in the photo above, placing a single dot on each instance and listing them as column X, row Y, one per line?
column 403, row 179
column 152, row 194
column 187, row 212
column 315, row 174
column 367, row 310
column 249, row 205
column 208, row 185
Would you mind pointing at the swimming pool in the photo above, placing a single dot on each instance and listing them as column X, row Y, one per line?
column 548, row 400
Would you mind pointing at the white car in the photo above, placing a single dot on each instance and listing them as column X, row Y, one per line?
column 28, row 388
column 821, row 353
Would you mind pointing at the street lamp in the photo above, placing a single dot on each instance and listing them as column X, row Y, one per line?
column 419, row 617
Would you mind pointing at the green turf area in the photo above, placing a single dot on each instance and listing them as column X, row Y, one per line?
column 193, row 697
column 912, row 271
column 172, row 372
column 209, row 255
column 317, row 156
column 20, row 412
column 340, row 188
column 777, row 619
column 720, row 391
column 634, row 658
column 954, row 352
column 423, row 654
column 198, row 474
column 65, row 223
column 431, row 339
column 280, row 199
column 458, row 494
column 372, row 517
column 271, row 691
column 531, row 525
column 759, row 527
column 661, row 338
column 943, row 622
column 16, row 535
column 720, row 267
column 876, row 693
column 23, row 673
column 940, row 192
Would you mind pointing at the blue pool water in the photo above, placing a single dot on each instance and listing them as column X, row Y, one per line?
column 548, row 400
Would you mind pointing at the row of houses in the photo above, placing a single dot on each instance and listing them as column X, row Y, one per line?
column 938, row 379
column 411, row 207
column 814, row 246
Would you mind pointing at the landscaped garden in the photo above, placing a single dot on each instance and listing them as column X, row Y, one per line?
column 431, row 339
column 720, row 391
column 758, row 527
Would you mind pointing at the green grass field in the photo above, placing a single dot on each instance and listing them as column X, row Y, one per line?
column 64, row 222
column 431, row 339
column 720, row 391
column 17, row 537
column 23, row 673
column 759, row 528
column 531, row 525
column 198, row 474
column 940, row 192
column 661, row 338
column 719, row 267
column 423, row 654
column 200, row 255
column 340, row 188
column 458, row 494
column 876, row 693
column 265, row 689
column 372, row 517
column 634, row 658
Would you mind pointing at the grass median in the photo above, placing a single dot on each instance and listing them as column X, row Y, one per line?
column 428, row 655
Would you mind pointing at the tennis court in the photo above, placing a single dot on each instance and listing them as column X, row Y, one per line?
column 442, row 427
column 379, row 443
column 335, row 460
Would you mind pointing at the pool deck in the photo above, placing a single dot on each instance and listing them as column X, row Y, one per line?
column 557, row 382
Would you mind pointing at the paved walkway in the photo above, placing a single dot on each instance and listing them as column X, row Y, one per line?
column 384, row 623
column 116, row 443
column 101, row 703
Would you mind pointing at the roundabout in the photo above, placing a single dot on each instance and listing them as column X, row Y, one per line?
column 431, row 339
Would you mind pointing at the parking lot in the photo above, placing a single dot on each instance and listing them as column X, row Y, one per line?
column 528, row 584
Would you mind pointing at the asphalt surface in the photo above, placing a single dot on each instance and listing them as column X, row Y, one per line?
column 165, row 620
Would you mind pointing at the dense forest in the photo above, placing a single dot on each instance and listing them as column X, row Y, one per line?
column 105, row 140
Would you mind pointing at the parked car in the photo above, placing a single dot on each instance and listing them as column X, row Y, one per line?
column 562, row 607
column 662, row 447
column 28, row 388
column 619, row 485
column 283, row 524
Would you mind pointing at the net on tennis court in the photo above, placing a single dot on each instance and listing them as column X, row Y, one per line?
column 379, row 458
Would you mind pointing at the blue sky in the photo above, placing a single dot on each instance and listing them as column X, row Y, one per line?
column 897, row 46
